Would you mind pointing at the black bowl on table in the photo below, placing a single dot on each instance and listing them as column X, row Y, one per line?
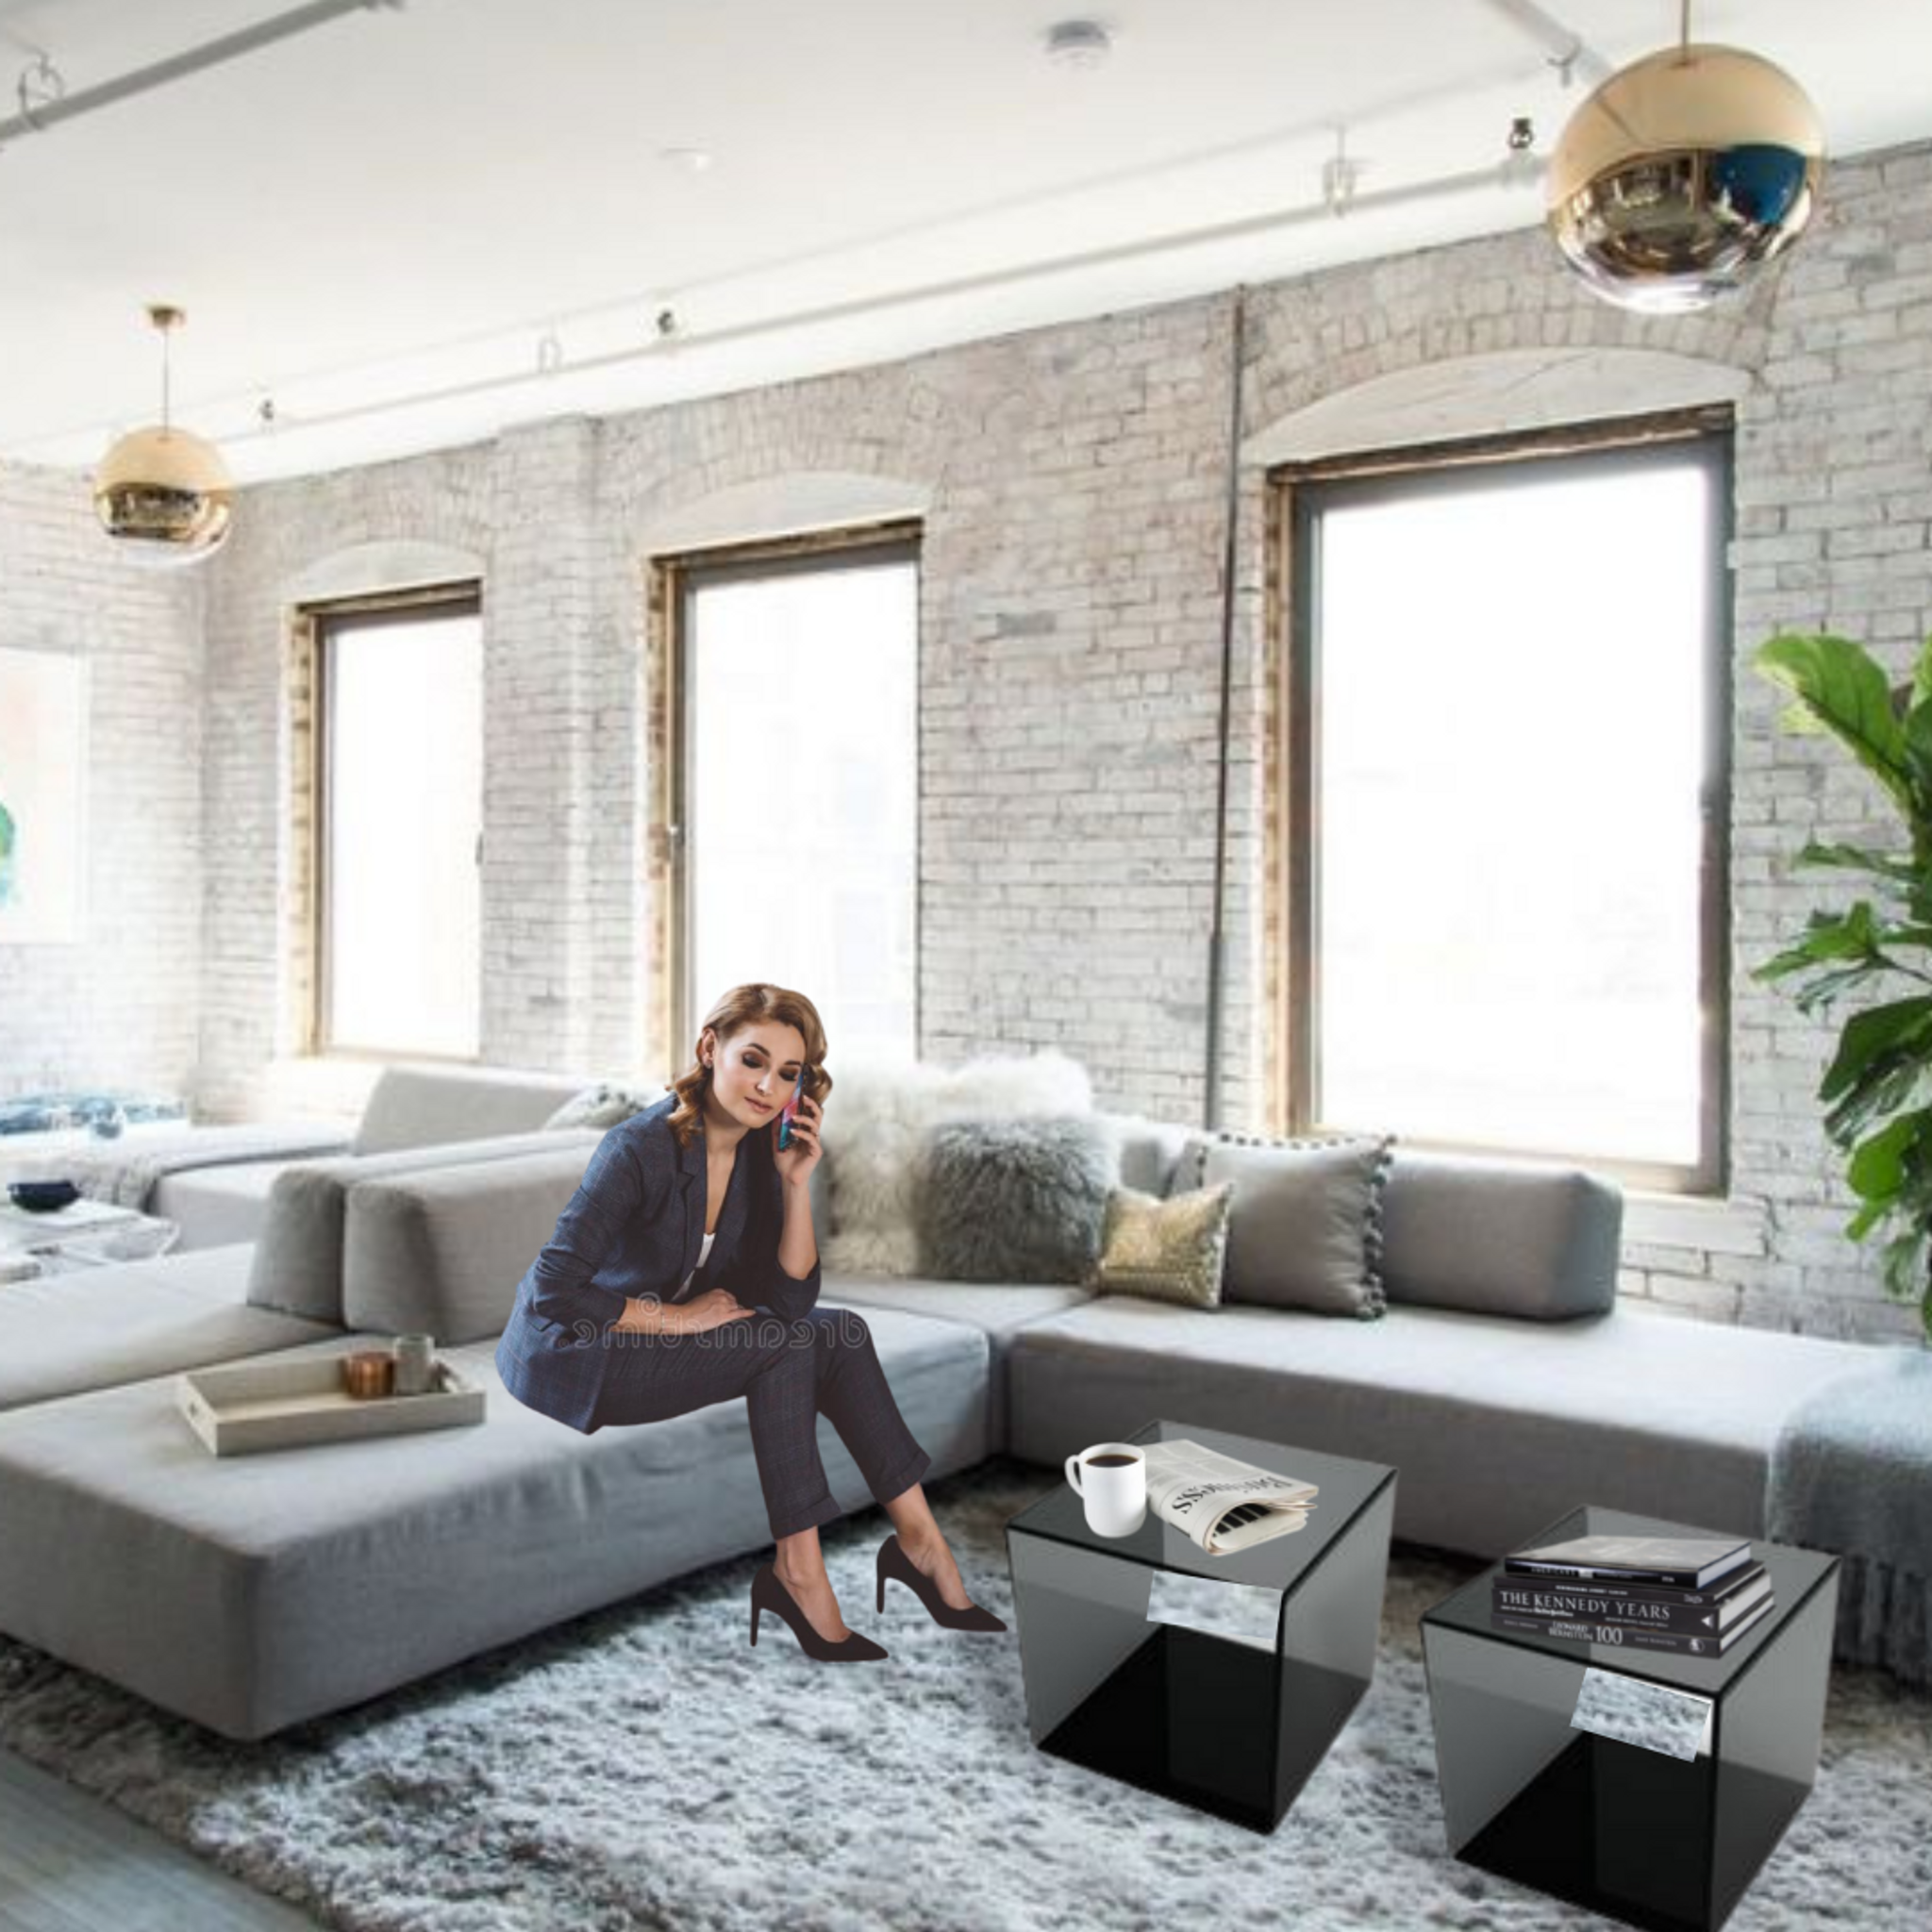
column 42, row 1197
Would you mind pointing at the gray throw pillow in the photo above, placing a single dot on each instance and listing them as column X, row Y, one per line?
column 1014, row 1200
column 1307, row 1227
column 602, row 1105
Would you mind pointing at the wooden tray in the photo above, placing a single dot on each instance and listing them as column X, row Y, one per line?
column 266, row 1404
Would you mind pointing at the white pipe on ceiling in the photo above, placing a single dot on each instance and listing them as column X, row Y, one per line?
column 1566, row 48
column 1514, row 171
column 157, row 73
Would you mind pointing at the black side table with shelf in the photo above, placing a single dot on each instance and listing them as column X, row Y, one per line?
column 1659, row 1842
column 1224, row 1723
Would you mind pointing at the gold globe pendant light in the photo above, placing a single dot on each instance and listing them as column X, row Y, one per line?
column 1683, row 175
column 163, row 494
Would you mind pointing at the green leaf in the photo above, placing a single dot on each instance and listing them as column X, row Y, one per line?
column 1859, row 858
column 1922, row 675
column 1902, row 1026
column 1902, row 1266
column 1830, row 987
column 1895, row 1081
column 1866, row 1219
column 1877, row 1167
column 1842, row 688
column 1917, row 735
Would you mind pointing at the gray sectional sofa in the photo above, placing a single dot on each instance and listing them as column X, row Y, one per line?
column 251, row 1593
column 213, row 1182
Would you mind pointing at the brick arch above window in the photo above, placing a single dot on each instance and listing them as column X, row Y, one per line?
column 1505, row 392
column 376, row 568
column 794, row 503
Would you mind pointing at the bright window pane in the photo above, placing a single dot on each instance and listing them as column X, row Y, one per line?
column 404, row 739
column 803, row 792
column 1510, row 688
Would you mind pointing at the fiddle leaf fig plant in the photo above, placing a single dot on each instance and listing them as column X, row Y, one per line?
column 1875, row 954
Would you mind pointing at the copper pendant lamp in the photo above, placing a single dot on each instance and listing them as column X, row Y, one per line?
column 163, row 494
column 1683, row 175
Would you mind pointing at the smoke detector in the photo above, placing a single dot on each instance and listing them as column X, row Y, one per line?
column 1077, row 43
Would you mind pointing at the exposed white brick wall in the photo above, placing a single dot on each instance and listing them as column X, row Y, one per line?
column 120, row 1006
column 1070, row 666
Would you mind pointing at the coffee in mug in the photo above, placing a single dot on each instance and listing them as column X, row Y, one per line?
column 1112, row 1480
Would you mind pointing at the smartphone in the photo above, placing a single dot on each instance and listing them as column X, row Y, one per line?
column 790, row 1109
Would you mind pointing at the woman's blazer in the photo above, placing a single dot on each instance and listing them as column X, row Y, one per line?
column 636, row 1226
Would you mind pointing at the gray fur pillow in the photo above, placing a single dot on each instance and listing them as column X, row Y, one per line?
column 1014, row 1200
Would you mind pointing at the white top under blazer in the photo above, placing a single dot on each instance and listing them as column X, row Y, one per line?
column 704, row 1254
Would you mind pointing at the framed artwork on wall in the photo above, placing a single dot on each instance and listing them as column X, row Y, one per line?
column 42, row 796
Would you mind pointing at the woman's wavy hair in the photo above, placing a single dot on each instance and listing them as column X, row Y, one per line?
column 743, row 1006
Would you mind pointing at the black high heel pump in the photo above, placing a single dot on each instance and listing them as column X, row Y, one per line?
column 893, row 1561
column 768, row 1593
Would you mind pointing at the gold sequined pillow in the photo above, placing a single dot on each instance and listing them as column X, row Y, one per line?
column 1169, row 1250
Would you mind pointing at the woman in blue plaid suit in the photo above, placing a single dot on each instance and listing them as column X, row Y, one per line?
column 688, row 1223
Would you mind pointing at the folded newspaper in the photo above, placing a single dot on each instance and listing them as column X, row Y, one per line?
column 1222, row 1504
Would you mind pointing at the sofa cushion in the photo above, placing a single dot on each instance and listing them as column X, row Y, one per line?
column 1172, row 1250
column 1148, row 1152
column 215, row 1207
column 997, row 1310
column 1498, row 1427
column 298, row 1261
column 439, row 1251
column 1307, row 1227
column 1020, row 1200
column 278, row 1585
column 420, row 1107
column 96, row 1327
column 1500, row 1236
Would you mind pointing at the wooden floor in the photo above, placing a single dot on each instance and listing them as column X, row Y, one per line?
column 72, row 1862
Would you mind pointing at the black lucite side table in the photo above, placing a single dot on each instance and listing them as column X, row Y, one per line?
column 1664, row 1842
column 1215, row 1722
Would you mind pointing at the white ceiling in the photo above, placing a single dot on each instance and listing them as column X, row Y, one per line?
column 404, row 201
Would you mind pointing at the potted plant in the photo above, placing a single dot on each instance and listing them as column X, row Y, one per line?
column 1876, row 952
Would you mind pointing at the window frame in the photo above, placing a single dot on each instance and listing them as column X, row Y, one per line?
column 1298, row 492
column 322, row 622
column 681, row 576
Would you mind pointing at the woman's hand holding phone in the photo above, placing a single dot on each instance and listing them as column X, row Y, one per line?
column 795, row 1139
column 787, row 1114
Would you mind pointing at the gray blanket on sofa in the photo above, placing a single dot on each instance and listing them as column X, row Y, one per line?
column 1851, row 1472
column 126, row 1173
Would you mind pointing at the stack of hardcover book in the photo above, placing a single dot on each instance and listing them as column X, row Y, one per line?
column 1685, row 1593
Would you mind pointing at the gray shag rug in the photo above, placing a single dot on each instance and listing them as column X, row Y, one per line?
column 644, row 1767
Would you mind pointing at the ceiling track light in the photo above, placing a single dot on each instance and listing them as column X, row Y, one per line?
column 1682, row 175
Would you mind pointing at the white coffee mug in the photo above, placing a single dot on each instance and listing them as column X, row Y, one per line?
column 1114, row 1491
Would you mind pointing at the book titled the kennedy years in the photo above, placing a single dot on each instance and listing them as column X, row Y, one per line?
column 1631, row 1636
column 1685, row 1562
column 1726, row 1587
column 1641, row 1605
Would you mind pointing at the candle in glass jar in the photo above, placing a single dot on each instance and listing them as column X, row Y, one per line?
column 415, row 1363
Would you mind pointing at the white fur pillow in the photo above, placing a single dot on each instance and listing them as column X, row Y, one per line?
column 875, row 1126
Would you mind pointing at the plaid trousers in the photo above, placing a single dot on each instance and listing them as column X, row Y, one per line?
column 789, row 1372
